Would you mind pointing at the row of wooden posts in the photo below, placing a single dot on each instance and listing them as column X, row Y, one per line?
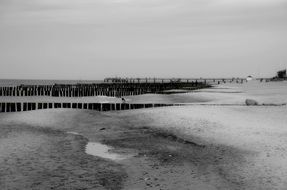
column 80, row 90
column 27, row 106
column 69, row 93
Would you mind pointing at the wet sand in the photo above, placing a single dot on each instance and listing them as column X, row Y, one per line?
column 42, row 155
column 44, row 158
column 175, row 148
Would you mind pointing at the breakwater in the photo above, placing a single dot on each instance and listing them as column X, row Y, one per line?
column 102, row 89
column 28, row 106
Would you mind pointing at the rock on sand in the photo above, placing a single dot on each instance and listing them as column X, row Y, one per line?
column 250, row 102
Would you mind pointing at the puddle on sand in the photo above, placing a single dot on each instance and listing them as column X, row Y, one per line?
column 101, row 150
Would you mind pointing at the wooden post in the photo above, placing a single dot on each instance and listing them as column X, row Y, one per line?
column 97, row 106
column 25, row 106
column 149, row 105
column 18, row 106
column 33, row 104
column 8, row 106
column 3, row 107
column 40, row 106
column 29, row 106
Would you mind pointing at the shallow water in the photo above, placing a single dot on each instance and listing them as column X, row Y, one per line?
column 103, row 151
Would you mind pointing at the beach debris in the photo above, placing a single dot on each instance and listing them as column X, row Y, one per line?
column 251, row 102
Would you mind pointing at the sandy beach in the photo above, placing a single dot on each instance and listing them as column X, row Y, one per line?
column 195, row 146
column 143, row 95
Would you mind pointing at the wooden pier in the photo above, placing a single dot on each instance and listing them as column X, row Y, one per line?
column 175, row 80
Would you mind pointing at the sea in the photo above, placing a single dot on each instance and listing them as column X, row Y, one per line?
column 16, row 82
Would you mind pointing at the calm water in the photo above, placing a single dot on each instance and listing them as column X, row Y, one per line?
column 15, row 82
column 104, row 151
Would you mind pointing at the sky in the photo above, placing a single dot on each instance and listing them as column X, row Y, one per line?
column 94, row 39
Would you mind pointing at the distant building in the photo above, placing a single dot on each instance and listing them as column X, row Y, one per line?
column 281, row 74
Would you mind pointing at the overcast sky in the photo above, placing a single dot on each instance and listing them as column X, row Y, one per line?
column 93, row 39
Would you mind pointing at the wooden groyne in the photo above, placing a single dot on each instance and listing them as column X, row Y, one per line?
column 103, row 89
column 28, row 106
